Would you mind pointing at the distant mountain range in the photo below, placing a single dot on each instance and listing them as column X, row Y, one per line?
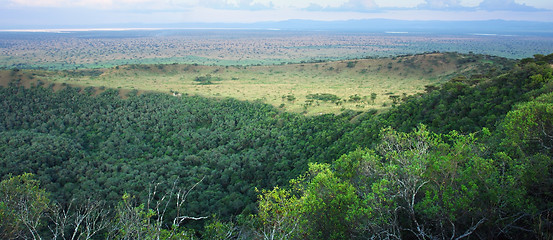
column 385, row 25
column 499, row 27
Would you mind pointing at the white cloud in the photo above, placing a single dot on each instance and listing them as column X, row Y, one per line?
column 39, row 3
column 244, row 16
column 106, row 11
column 543, row 4
column 473, row 5
column 399, row 3
column 349, row 6
column 441, row 4
column 519, row 5
column 236, row 4
column 470, row 3
column 282, row 4
column 106, row 4
column 360, row 4
column 505, row 5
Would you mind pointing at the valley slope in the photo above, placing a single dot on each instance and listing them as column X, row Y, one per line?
column 470, row 156
column 359, row 84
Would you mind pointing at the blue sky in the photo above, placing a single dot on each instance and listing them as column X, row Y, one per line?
column 102, row 12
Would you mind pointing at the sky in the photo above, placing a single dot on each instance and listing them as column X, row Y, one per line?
column 21, row 13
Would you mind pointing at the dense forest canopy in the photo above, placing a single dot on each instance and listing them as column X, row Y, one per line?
column 470, row 158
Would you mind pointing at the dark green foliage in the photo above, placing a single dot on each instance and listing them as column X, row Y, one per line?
column 82, row 146
column 207, row 79
column 468, row 104
column 43, row 154
column 373, row 97
column 539, row 58
column 289, row 98
column 351, row 64
column 325, row 97
column 530, row 126
column 416, row 185
column 22, row 207
column 450, row 178
column 394, row 98
column 354, row 98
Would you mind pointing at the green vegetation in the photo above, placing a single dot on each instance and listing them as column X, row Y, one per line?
column 22, row 206
column 269, row 83
column 325, row 97
column 207, row 79
column 351, row 64
column 469, row 158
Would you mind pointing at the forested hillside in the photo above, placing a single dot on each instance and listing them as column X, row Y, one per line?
column 470, row 158
column 79, row 144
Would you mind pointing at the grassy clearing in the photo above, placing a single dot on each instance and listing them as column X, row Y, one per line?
column 284, row 86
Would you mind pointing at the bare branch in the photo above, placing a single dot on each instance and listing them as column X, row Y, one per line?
column 190, row 218
column 471, row 229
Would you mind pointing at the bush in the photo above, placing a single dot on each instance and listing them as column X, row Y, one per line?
column 207, row 79
column 325, row 97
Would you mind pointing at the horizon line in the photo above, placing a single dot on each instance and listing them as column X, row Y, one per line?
column 231, row 26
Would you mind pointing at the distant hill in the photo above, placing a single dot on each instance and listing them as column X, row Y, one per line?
column 386, row 25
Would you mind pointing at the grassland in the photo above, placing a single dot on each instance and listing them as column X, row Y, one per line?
column 290, row 70
column 290, row 87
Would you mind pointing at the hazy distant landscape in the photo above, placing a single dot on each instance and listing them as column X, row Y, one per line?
column 97, row 49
